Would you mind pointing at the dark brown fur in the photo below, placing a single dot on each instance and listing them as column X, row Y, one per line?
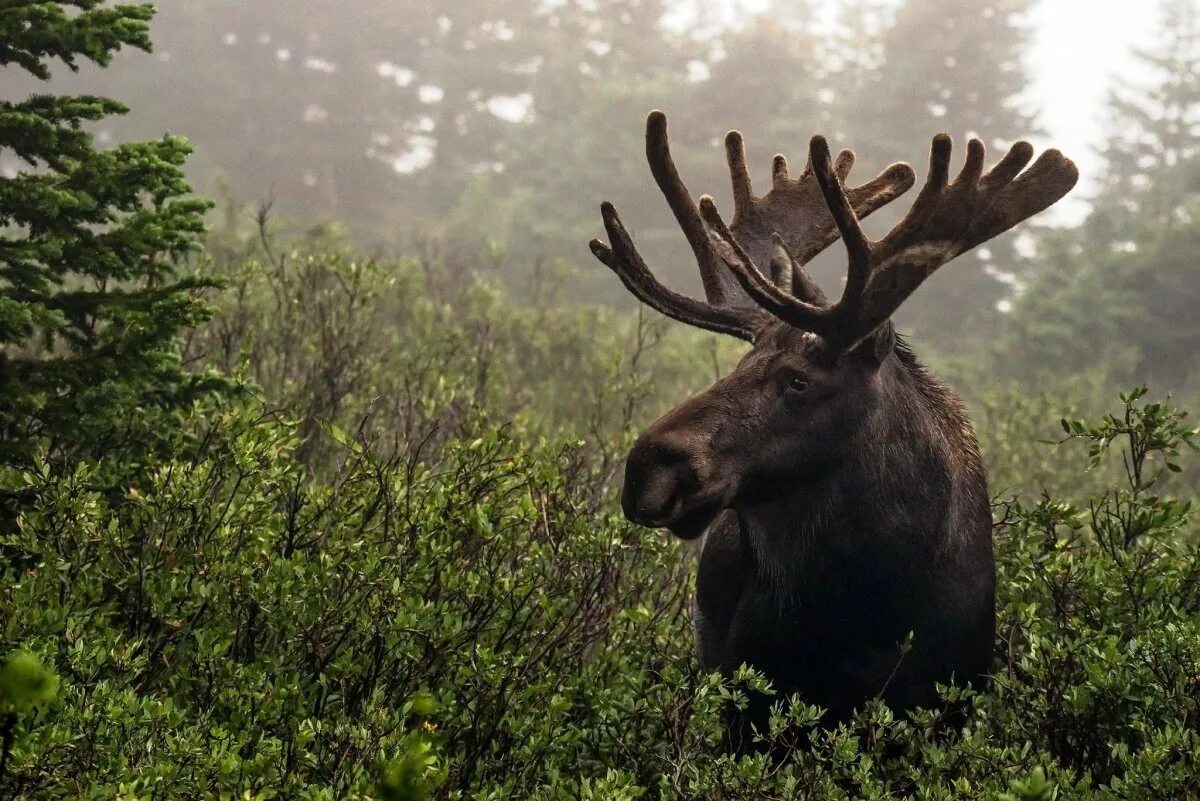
column 860, row 514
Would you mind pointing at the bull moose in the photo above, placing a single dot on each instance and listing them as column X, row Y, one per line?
column 835, row 484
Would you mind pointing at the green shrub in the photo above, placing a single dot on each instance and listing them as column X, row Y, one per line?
column 484, row 628
column 407, row 351
column 227, row 626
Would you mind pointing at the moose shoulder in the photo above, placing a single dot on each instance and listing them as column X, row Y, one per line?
column 835, row 482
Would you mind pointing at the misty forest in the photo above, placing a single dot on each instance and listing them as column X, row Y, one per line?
column 349, row 448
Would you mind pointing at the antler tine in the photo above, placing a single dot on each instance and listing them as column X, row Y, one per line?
column 972, row 168
column 788, row 275
column 717, row 288
column 782, row 266
column 779, row 170
column 1008, row 167
column 739, row 174
column 623, row 259
column 939, row 164
column 949, row 218
column 803, row 286
column 857, row 245
column 761, row 289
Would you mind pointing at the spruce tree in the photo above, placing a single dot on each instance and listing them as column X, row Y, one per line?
column 371, row 112
column 92, row 300
column 1119, row 293
column 1152, row 154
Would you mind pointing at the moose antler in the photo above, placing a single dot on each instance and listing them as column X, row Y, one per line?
column 790, row 225
column 946, row 220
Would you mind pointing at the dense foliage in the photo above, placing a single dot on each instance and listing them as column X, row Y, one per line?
column 228, row 626
column 460, row 611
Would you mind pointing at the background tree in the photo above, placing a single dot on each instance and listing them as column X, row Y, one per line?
column 91, row 305
column 1120, row 293
column 360, row 110
column 603, row 66
column 1152, row 171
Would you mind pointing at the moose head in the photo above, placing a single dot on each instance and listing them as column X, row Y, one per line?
column 839, row 483
column 813, row 376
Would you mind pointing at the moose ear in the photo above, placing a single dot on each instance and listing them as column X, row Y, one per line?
column 878, row 346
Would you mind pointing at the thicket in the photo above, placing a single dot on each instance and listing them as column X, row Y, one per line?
column 385, row 561
column 286, row 608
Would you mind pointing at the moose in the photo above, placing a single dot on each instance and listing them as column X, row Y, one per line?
column 834, row 485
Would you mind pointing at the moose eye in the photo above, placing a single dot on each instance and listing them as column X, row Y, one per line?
column 798, row 383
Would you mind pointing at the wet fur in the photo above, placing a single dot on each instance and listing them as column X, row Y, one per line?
column 818, row 585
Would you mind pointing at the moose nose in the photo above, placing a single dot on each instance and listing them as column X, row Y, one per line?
column 658, row 475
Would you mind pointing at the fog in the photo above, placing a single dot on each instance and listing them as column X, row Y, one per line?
column 487, row 133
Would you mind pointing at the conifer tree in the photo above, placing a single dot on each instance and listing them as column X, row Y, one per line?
column 1152, row 155
column 92, row 303
column 370, row 112
column 1120, row 292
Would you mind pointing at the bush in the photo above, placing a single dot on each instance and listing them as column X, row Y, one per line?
column 226, row 626
column 485, row 628
column 405, row 351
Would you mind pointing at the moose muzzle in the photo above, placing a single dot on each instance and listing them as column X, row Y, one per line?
column 670, row 482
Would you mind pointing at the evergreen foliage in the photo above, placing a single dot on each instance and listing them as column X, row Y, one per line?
column 91, row 305
column 1153, row 148
column 1119, row 293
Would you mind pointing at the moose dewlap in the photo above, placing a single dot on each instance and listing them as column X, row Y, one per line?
column 836, row 482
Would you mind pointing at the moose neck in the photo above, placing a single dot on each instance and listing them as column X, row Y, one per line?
column 885, row 500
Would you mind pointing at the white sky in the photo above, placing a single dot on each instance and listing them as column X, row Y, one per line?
column 1077, row 48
